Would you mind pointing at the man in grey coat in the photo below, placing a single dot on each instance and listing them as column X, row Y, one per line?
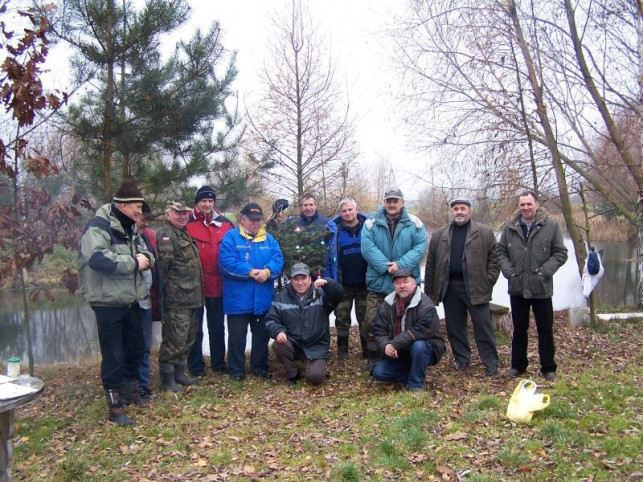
column 531, row 250
column 461, row 269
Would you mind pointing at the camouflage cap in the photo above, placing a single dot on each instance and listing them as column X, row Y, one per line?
column 177, row 204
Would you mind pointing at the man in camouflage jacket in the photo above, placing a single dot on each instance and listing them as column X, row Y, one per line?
column 181, row 273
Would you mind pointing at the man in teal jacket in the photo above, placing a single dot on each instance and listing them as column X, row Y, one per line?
column 393, row 239
column 110, row 262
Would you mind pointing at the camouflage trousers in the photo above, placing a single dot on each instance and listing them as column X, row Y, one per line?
column 179, row 333
column 344, row 308
column 373, row 303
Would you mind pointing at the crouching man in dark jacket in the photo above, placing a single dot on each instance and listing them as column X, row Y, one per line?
column 407, row 330
column 298, row 322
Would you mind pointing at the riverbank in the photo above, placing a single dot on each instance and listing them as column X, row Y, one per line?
column 351, row 428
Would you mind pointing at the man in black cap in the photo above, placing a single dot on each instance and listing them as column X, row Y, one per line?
column 110, row 264
column 207, row 227
column 249, row 261
column 461, row 270
column 407, row 331
column 298, row 322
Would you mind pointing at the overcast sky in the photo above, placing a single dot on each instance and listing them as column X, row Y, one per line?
column 357, row 31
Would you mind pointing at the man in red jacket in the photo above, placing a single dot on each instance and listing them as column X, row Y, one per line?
column 207, row 227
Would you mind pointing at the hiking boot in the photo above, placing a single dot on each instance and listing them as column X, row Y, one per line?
column 146, row 393
column 166, row 373
column 130, row 394
column 460, row 366
column 180, row 377
column 116, row 410
column 342, row 347
column 491, row 371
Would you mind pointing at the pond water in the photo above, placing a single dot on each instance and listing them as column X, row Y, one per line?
column 65, row 330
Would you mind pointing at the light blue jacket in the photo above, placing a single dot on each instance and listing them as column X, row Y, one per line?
column 238, row 255
column 407, row 249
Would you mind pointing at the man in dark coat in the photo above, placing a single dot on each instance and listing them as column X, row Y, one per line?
column 531, row 249
column 407, row 330
column 298, row 322
column 461, row 269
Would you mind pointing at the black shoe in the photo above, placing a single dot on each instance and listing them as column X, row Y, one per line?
column 491, row 371
column 512, row 373
column 549, row 376
column 264, row 375
column 294, row 380
column 460, row 366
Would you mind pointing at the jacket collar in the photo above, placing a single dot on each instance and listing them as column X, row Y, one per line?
column 213, row 218
column 390, row 298
column 541, row 217
column 261, row 235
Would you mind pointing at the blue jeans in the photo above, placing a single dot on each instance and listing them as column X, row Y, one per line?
column 237, row 332
column 409, row 368
column 216, row 338
column 120, row 336
column 144, row 367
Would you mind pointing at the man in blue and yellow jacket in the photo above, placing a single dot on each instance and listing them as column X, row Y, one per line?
column 249, row 261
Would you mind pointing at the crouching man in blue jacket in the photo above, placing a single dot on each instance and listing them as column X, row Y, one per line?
column 407, row 330
column 298, row 322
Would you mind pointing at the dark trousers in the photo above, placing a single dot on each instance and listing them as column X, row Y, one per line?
column 287, row 354
column 409, row 368
column 237, row 333
column 456, row 305
column 343, row 310
column 120, row 336
column 544, row 315
column 216, row 338
column 144, row 367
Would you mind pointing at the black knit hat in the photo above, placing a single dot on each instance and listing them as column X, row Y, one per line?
column 205, row 192
column 128, row 193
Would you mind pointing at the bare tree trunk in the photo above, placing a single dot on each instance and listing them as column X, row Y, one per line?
column 552, row 145
column 108, row 115
column 125, row 152
column 593, row 300
column 639, row 210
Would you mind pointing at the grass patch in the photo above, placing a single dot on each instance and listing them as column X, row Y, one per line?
column 351, row 428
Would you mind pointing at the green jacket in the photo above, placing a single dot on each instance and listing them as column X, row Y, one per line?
column 530, row 264
column 479, row 263
column 180, row 268
column 108, row 272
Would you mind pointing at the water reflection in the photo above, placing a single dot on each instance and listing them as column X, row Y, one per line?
column 61, row 331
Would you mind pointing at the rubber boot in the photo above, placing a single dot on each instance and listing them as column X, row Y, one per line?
column 180, row 377
column 130, row 394
column 342, row 347
column 362, row 340
column 166, row 371
column 116, row 410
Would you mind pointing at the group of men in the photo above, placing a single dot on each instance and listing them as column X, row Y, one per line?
column 198, row 260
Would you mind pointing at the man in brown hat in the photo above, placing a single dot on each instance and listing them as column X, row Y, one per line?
column 182, row 294
column 111, row 259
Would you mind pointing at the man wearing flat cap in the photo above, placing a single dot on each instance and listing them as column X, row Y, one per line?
column 207, row 227
column 298, row 322
column 393, row 239
column 407, row 331
column 182, row 294
column 461, row 270
column 249, row 260
column 111, row 261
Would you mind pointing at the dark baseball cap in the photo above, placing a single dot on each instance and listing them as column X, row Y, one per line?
column 402, row 273
column 299, row 268
column 252, row 211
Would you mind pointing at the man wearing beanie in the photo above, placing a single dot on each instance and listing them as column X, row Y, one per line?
column 111, row 259
column 206, row 227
